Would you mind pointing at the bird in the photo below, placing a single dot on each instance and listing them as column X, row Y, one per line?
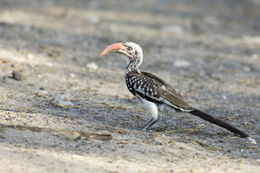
column 154, row 92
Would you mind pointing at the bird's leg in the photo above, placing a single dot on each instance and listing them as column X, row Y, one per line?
column 149, row 123
column 153, row 109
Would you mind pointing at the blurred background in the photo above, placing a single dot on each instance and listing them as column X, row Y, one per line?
column 51, row 78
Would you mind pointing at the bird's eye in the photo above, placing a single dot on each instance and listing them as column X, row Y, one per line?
column 130, row 48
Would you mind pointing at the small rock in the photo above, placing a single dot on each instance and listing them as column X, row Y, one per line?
column 93, row 19
column 254, row 56
column 211, row 20
column 247, row 69
column 61, row 101
column 54, row 53
column 30, row 56
column 253, row 141
column 120, row 131
column 18, row 75
column 74, row 136
column 41, row 93
column 49, row 64
column 92, row 66
column 4, row 60
column 181, row 63
column 72, row 75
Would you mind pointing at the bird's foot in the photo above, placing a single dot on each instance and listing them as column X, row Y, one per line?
column 144, row 129
column 141, row 129
column 151, row 122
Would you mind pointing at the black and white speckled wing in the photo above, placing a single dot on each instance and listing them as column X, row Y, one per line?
column 154, row 89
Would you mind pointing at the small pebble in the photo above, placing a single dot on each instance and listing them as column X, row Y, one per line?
column 30, row 56
column 61, row 101
column 18, row 75
column 49, row 64
column 41, row 93
column 92, row 66
column 181, row 63
column 93, row 19
column 72, row 75
column 253, row 141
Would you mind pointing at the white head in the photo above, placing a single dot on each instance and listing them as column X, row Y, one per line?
column 132, row 50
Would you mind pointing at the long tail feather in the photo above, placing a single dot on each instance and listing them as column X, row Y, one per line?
column 219, row 122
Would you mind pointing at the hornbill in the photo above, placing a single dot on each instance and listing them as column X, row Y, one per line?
column 155, row 92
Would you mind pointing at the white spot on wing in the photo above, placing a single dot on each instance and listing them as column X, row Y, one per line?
column 163, row 87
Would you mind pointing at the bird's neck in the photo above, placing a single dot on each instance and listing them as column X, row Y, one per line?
column 131, row 66
column 134, row 65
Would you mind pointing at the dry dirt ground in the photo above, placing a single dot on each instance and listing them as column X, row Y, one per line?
column 208, row 50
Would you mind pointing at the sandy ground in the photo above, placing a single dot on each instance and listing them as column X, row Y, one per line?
column 209, row 51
